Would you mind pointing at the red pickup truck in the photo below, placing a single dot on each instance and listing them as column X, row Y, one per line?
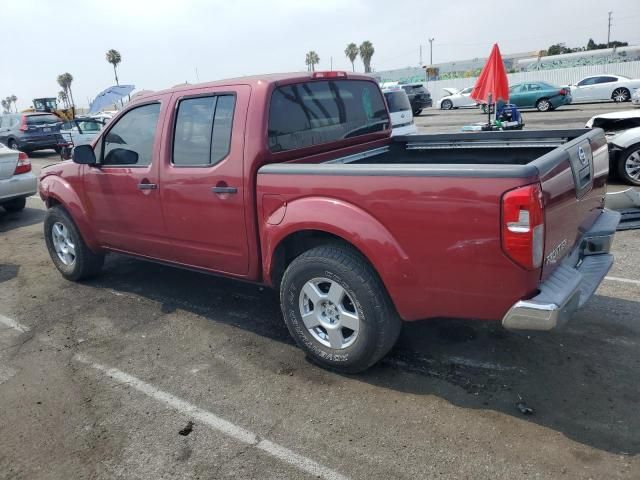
column 293, row 181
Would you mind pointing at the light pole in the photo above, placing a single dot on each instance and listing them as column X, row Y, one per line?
column 431, row 51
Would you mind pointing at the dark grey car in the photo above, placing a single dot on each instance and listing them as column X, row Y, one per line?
column 30, row 131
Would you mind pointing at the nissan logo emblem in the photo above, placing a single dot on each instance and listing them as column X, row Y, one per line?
column 582, row 156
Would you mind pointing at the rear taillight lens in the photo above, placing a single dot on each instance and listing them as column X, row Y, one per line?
column 23, row 124
column 24, row 164
column 523, row 226
column 562, row 92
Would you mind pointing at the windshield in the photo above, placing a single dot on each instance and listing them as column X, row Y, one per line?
column 312, row 113
column 397, row 101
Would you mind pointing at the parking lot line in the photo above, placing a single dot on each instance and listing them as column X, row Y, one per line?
column 623, row 280
column 11, row 323
column 217, row 423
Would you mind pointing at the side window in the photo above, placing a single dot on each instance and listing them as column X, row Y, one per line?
column 130, row 141
column 202, row 133
column 533, row 87
column 607, row 79
column 587, row 81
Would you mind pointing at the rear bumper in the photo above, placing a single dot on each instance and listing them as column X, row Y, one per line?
column 38, row 143
column 572, row 283
column 23, row 185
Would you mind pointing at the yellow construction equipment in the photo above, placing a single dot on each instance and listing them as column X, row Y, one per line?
column 50, row 104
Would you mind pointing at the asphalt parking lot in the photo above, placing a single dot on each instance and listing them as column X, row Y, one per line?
column 152, row 372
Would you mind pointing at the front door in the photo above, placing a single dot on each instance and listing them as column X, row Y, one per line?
column 122, row 191
column 202, row 187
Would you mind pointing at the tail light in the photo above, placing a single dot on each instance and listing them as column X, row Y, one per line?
column 523, row 226
column 24, row 164
column 329, row 74
column 563, row 91
column 23, row 124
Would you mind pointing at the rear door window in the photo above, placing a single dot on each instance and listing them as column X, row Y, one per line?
column 202, row 134
column 313, row 113
column 397, row 101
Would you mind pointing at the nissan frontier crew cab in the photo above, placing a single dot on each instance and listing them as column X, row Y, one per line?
column 293, row 181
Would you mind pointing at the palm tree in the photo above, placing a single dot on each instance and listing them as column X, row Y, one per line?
column 114, row 58
column 62, row 96
column 351, row 52
column 65, row 80
column 14, row 99
column 366, row 52
column 312, row 60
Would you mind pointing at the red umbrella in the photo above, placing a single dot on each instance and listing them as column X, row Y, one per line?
column 492, row 84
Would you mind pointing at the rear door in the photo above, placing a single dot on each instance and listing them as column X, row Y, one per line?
column 202, row 179
column 573, row 181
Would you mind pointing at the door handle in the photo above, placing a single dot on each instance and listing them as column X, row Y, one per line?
column 147, row 186
column 224, row 190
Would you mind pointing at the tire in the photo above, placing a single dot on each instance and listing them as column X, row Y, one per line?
column 620, row 95
column 446, row 105
column 629, row 165
column 12, row 144
column 15, row 205
column 83, row 263
column 360, row 298
column 544, row 105
column 417, row 112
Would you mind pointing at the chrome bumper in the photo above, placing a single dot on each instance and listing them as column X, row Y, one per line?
column 22, row 185
column 571, row 284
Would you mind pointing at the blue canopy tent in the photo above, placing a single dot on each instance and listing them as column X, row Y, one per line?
column 110, row 96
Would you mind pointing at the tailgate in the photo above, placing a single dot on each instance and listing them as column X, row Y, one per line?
column 573, row 179
column 8, row 161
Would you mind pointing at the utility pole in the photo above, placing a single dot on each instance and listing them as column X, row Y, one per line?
column 609, row 31
column 331, row 61
column 420, row 55
column 431, row 51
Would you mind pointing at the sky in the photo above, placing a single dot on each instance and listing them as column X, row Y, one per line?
column 165, row 42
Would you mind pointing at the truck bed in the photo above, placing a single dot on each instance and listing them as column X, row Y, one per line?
column 438, row 197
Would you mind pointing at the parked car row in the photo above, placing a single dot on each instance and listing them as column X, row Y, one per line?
column 545, row 96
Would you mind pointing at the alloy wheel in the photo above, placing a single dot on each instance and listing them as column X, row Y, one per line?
column 63, row 243
column 329, row 313
column 632, row 165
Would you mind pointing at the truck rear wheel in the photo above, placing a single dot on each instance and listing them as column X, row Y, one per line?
column 67, row 249
column 337, row 309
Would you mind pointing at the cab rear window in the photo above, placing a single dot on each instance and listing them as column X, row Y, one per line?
column 313, row 113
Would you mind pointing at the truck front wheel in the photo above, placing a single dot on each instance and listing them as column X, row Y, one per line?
column 337, row 309
column 67, row 249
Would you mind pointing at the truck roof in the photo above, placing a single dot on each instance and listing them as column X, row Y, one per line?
column 270, row 78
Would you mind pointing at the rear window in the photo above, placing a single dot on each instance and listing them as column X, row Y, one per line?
column 40, row 119
column 397, row 101
column 314, row 113
column 414, row 89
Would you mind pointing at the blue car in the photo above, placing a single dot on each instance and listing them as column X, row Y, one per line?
column 31, row 131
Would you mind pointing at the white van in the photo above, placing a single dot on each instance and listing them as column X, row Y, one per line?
column 400, row 110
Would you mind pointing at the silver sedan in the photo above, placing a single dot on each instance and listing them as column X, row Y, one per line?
column 17, row 181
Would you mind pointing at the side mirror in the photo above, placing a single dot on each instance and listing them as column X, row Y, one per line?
column 84, row 155
column 121, row 156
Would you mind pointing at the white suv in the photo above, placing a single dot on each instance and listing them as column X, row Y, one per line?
column 400, row 110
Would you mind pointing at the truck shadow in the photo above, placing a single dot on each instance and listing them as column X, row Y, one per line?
column 583, row 381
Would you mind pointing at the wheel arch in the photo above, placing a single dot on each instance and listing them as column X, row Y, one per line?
column 312, row 222
column 55, row 191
